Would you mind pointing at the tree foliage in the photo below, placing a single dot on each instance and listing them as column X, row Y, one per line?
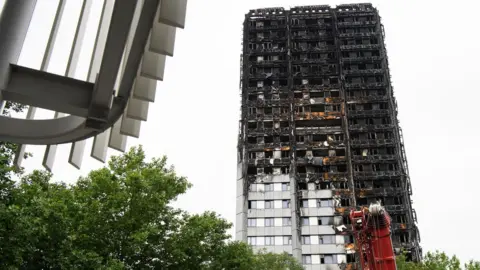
column 7, row 154
column 436, row 261
column 118, row 217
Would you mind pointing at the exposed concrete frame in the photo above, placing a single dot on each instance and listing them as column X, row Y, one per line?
column 94, row 106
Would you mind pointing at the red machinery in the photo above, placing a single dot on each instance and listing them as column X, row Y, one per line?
column 371, row 229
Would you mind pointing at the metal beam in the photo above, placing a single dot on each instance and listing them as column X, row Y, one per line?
column 51, row 150
column 19, row 155
column 36, row 88
column 172, row 12
column 121, row 20
column 14, row 22
column 73, row 128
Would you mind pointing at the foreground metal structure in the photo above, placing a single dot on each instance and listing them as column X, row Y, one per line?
column 132, row 43
column 319, row 134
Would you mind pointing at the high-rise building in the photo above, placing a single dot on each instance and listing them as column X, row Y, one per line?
column 319, row 134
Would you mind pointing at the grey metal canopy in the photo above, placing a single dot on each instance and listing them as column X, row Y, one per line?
column 132, row 42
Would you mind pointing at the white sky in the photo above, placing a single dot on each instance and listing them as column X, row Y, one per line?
column 433, row 48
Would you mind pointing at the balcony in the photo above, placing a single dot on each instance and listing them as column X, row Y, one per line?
column 322, row 145
column 269, row 63
column 395, row 208
column 316, row 86
column 268, row 146
column 363, row 99
column 312, row 37
column 315, row 49
column 376, row 174
column 356, row 24
column 367, row 34
column 318, row 73
column 360, row 47
column 366, row 85
column 268, row 38
column 366, row 113
column 318, row 115
column 312, row 26
column 266, row 51
column 372, row 142
column 372, row 71
column 358, row 13
column 268, row 102
column 318, row 130
column 373, row 158
column 268, row 131
column 364, row 127
column 326, row 176
column 268, row 162
column 352, row 60
column 322, row 161
column 378, row 192
column 263, row 75
column 263, row 117
column 261, row 28
column 314, row 61
column 266, row 89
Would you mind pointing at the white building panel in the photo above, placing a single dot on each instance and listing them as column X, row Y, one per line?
column 278, row 240
column 277, row 204
column 314, row 240
column 277, row 186
column 278, row 222
column 340, row 239
column 260, row 241
column 260, row 204
column 260, row 222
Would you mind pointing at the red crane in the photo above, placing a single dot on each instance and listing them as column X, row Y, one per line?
column 371, row 229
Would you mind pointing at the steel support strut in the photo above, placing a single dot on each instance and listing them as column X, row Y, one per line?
column 13, row 28
column 14, row 22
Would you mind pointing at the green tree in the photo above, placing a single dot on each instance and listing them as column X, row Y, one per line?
column 436, row 261
column 7, row 154
column 119, row 217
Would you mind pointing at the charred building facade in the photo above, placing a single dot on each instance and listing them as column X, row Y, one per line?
column 319, row 134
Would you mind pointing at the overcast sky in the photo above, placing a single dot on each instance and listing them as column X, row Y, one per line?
column 433, row 48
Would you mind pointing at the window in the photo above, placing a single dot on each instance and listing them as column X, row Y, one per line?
column 329, row 259
column 306, row 240
column 252, row 240
column 268, row 187
column 307, row 259
column 269, row 240
column 327, row 239
column 287, row 240
column 285, row 203
column 252, row 222
column 324, row 203
column 287, row 221
column 325, row 221
column 285, row 186
column 269, row 204
column 269, row 222
column 305, row 221
column 252, row 204
column 305, row 203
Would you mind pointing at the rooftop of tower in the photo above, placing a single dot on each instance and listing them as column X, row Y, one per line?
column 311, row 9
